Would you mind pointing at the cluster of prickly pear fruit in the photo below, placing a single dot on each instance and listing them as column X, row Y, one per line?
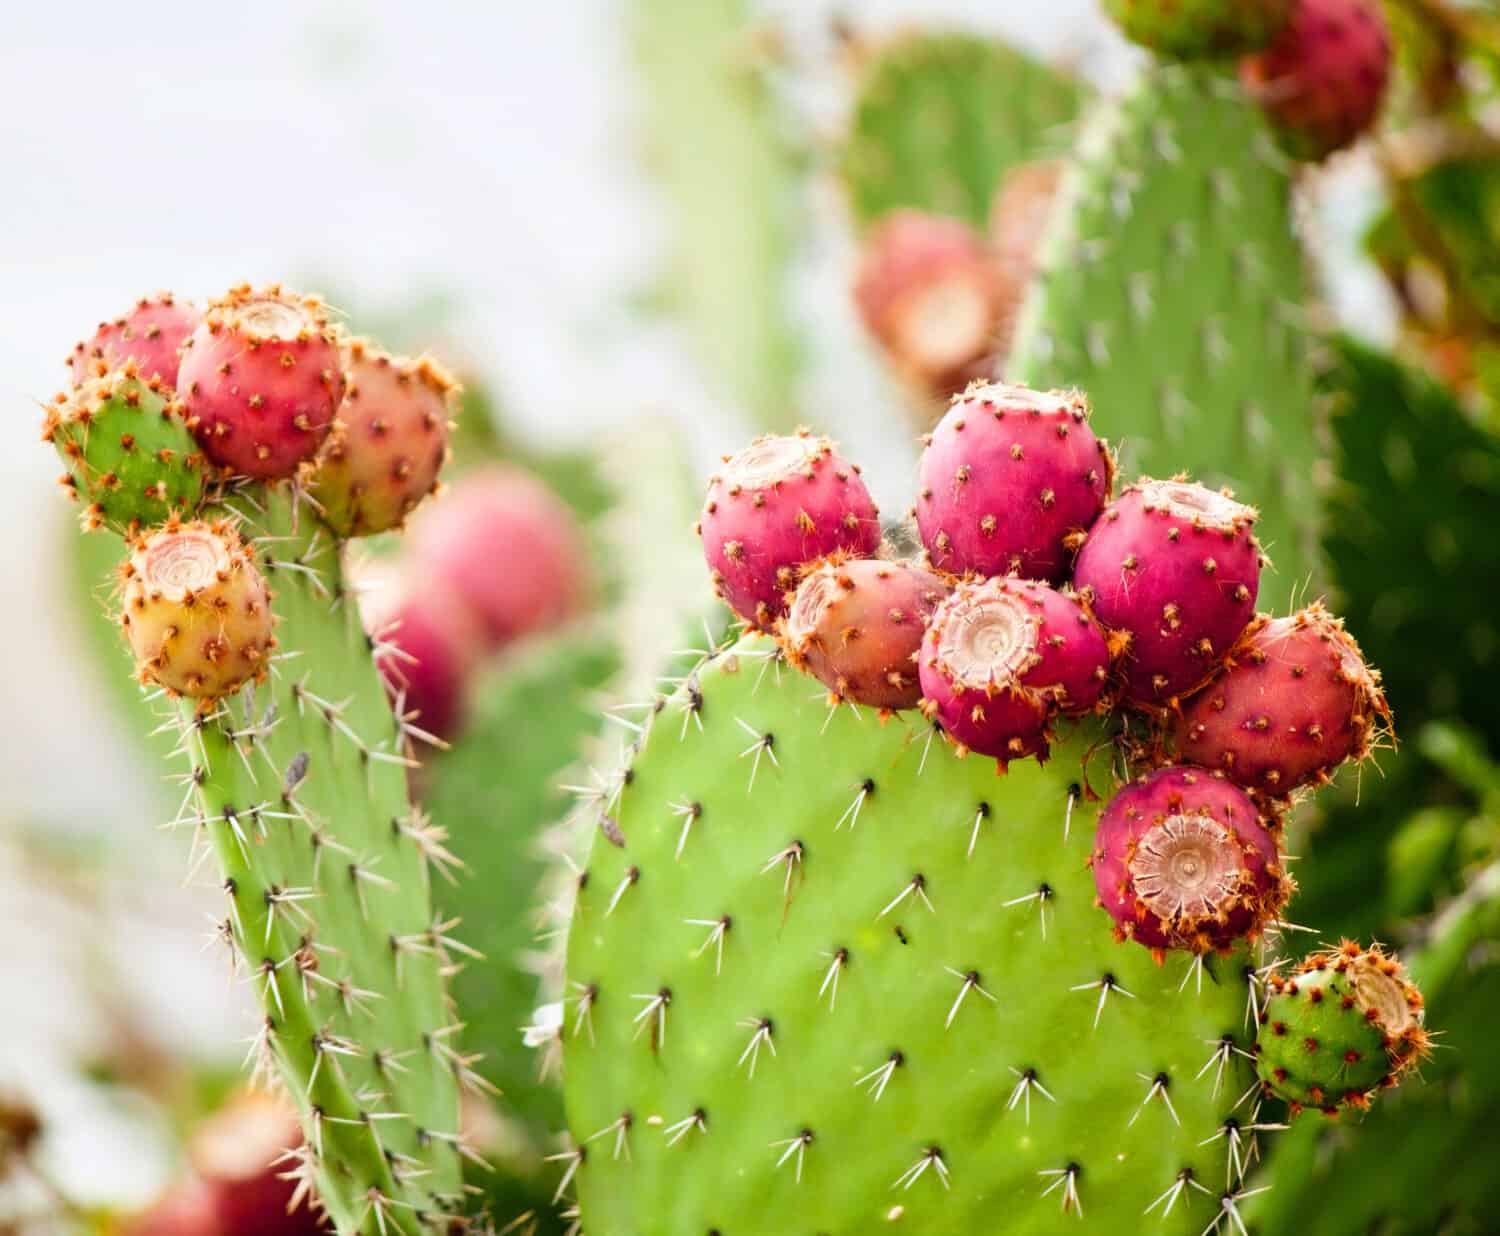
column 237, row 450
column 772, row 861
column 500, row 559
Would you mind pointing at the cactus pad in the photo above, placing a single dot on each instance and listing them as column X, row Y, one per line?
column 826, row 976
column 1170, row 289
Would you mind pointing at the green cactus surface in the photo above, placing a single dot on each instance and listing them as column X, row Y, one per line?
column 1193, row 29
column 940, row 118
column 1171, row 290
column 824, row 975
column 299, row 786
column 129, row 456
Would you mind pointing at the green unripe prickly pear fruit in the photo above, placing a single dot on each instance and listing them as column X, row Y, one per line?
column 130, row 457
column 1346, row 1024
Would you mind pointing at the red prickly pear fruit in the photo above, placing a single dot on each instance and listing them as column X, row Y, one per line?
column 196, row 610
column 187, row 1209
column 1200, row 29
column 779, row 504
column 1184, row 859
column 856, row 625
column 428, row 645
column 1294, row 701
column 150, row 334
column 389, row 442
column 1002, row 657
column 928, row 289
column 1019, row 213
column 241, row 1155
column 508, row 548
column 262, row 377
column 1173, row 569
column 1322, row 81
column 1009, row 478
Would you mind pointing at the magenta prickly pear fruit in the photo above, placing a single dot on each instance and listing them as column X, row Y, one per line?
column 1183, row 859
column 427, row 647
column 929, row 291
column 1294, row 701
column 1172, row 566
column 241, row 1155
column 855, row 624
column 1323, row 79
column 1008, row 478
column 508, row 548
column 1002, row 658
column 150, row 334
column 188, row 1209
column 196, row 610
column 389, row 442
column 262, row 377
column 1345, row 1025
column 779, row 504
column 1200, row 29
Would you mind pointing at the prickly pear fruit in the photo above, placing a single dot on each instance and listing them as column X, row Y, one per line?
column 195, row 610
column 1002, row 657
column 150, row 334
column 779, row 504
column 1345, row 1024
column 1323, row 79
column 1294, row 701
column 1019, row 212
column 1007, row 476
column 389, row 442
column 1175, row 566
column 508, row 548
column 427, row 647
column 126, row 445
column 856, row 624
column 1200, row 29
column 1184, row 859
column 262, row 377
column 241, row 1153
column 928, row 290
column 187, row 1209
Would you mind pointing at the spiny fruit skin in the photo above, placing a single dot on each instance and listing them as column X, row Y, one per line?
column 1323, row 79
column 782, row 502
column 196, row 610
column 1002, row 658
column 240, row 1153
column 1019, row 213
column 508, row 548
column 1007, row 477
column 1184, row 859
column 928, row 290
column 262, row 378
column 151, row 334
column 1348, row 1022
column 428, row 646
column 1174, row 565
column 1200, row 29
column 131, row 460
column 856, row 625
column 1294, row 701
column 389, row 442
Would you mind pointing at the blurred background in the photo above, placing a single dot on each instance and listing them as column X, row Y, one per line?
column 505, row 185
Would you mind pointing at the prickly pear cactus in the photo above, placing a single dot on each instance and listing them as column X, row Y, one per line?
column 825, row 975
column 1170, row 288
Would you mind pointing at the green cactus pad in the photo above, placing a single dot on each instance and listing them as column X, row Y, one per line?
column 1344, row 1024
column 810, row 989
column 128, row 452
column 939, row 119
column 1171, row 289
column 300, row 789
